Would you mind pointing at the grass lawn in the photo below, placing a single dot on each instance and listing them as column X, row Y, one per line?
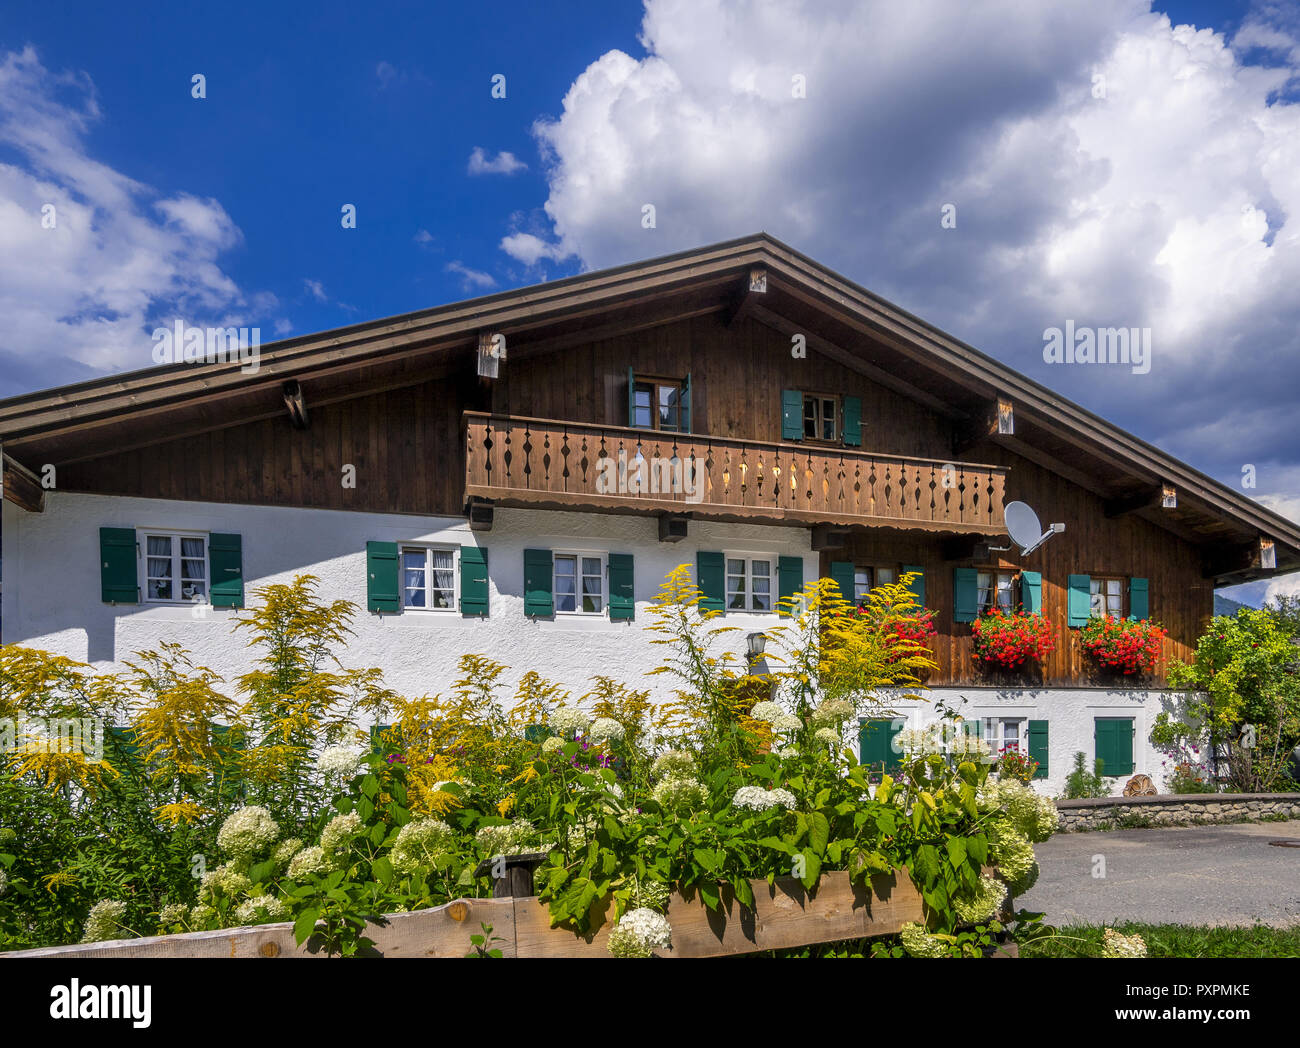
column 1175, row 940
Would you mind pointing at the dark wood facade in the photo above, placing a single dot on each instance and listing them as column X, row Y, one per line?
column 408, row 447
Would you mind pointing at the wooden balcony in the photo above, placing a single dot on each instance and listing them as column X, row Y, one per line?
column 545, row 463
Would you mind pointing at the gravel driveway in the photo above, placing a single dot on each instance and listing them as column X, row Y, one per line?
column 1218, row 875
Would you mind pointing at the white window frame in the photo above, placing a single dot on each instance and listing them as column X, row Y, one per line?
column 429, row 549
column 994, row 589
column 774, row 582
column 142, row 536
column 1100, row 581
column 578, row 576
column 873, row 580
column 994, row 731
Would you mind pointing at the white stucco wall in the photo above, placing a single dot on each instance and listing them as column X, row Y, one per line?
column 52, row 601
column 1070, row 713
column 52, row 587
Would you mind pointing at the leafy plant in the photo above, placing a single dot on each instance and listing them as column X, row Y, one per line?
column 1083, row 783
column 1010, row 639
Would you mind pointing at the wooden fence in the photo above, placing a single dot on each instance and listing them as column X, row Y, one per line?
column 784, row 915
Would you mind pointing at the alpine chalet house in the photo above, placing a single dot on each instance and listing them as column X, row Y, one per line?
column 472, row 478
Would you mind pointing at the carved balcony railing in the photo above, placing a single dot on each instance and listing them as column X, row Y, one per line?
column 546, row 463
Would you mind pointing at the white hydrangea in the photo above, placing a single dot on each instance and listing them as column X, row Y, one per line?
column 284, row 852
column 265, row 909
column 766, row 711
column 173, row 913
column 786, row 722
column 756, row 798
column 673, row 762
column 339, row 832
column 419, row 842
column 680, row 793
column 639, row 932
column 247, row 832
column 104, row 921
column 833, row 712
column 4, row 880
column 606, row 729
column 226, row 880
column 966, row 746
column 828, row 736
column 512, row 839
column 918, row 741
column 920, row 943
column 552, row 744
column 308, row 861
column 338, row 762
column 568, row 721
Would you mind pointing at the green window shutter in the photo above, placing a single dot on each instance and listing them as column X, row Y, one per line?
column 1038, row 746
column 965, row 594
column 1080, row 600
column 118, row 582
column 876, row 744
column 973, row 726
column 1031, row 592
column 1113, row 741
column 230, row 782
column 631, row 396
column 473, row 580
column 622, row 603
column 789, row 573
column 226, row 562
column 123, row 744
column 686, row 403
column 1138, row 606
column 382, row 591
column 842, row 576
column 791, row 414
column 853, row 421
column 917, row 585
column 377, row 737
column 538, row 596
column 538, row 733
column 709, row 572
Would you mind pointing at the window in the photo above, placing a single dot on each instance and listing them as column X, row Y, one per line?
column 176, row 567
column 657, row 404
column 579, row 583
column 995, row 589
column 821, row 416
column 1006, row 733
column 867, row 578
column 749, row 584
column 1106, row 596
column 428, row 578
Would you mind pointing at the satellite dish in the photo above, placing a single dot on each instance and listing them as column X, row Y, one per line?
column 1024, row 528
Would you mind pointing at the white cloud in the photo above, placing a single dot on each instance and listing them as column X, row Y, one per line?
column 316, row 289
column 80, row 298
column 471, row 279
column 530, row 249
column 502, row 164
column 423, row 237
column 1173, row 202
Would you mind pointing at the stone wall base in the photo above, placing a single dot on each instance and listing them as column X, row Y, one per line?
column 1108, row 813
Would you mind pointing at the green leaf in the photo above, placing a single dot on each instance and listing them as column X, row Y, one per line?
column 956, row 852
column 812, row 868
column 819, row 832
column 705, row 858
column 378, row 834
column 383, row 870
column 304, row 925
column 262, row 871
column 744, row 892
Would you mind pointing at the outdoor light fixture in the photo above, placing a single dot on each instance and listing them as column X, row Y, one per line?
column 756, row 642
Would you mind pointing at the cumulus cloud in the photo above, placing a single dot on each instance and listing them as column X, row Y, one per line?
column 502, row 164
column 471, row 279
column 91, row 259
column 1105, row 166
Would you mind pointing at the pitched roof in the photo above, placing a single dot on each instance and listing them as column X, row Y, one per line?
column 841, row 318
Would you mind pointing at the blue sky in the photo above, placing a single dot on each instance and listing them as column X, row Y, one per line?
column 1166, row 201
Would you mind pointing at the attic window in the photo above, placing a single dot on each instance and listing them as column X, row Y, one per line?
column 657, row 404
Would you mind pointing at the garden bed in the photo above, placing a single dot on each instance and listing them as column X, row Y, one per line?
column 1174, row 809
column 784, row 915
